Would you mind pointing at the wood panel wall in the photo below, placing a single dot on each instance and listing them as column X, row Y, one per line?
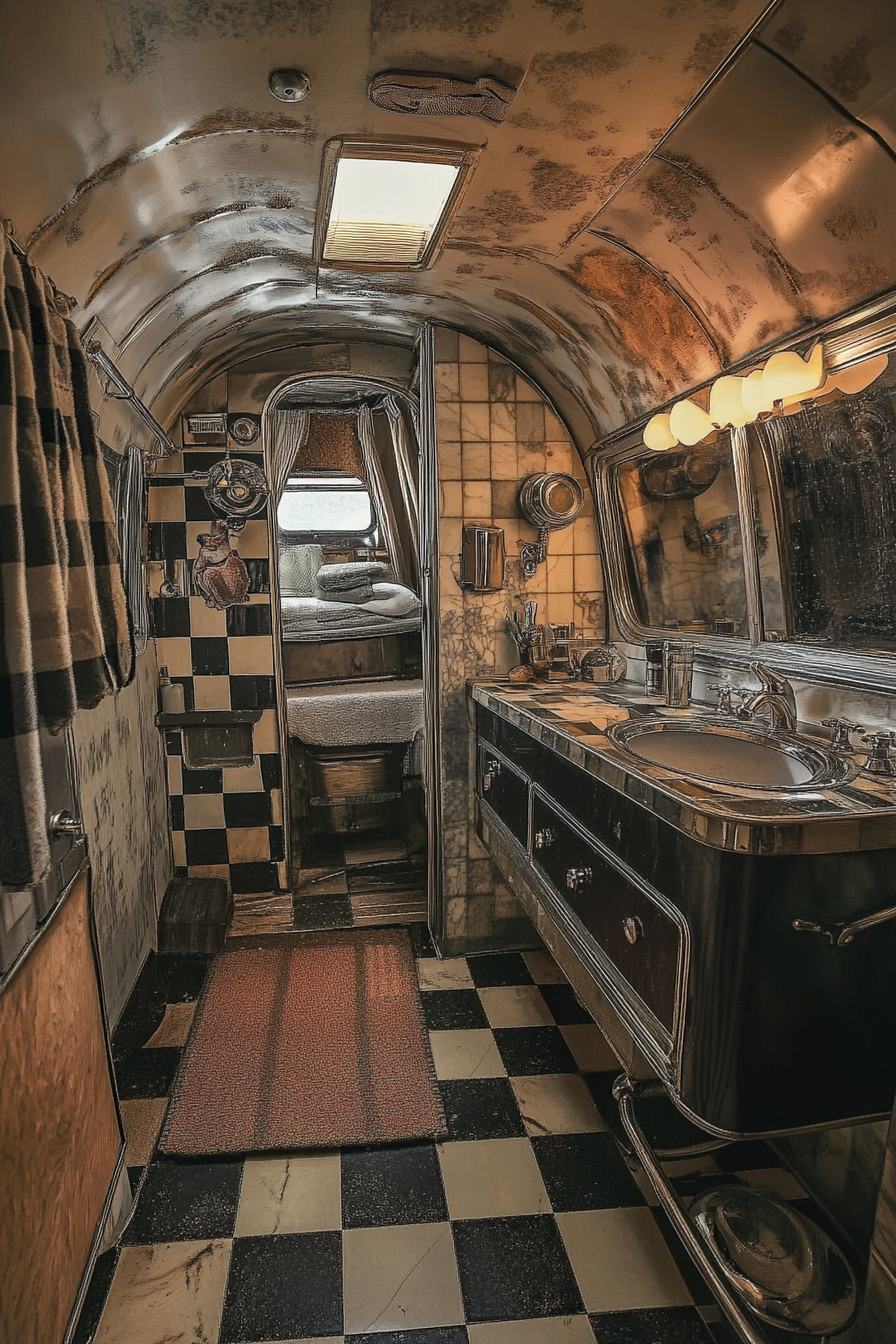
column 59, row 1132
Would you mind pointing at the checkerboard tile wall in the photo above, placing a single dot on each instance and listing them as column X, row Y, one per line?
column 225, row 823
column 527, row 1225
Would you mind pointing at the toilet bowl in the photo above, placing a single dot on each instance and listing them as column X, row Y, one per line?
column 355, row 713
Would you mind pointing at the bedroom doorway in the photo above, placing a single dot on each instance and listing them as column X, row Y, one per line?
column 342, row 459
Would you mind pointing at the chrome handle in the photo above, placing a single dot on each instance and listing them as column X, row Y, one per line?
column 841, row 731
column 544, row 839
column 841, row 935
column 63, row 823
column 492, row 772
column 633, row 929
column 576, row 878
column 879, row 761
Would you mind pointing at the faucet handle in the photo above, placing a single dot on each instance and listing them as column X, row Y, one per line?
column 724, row 689
column 880, row 761
column 841, row 731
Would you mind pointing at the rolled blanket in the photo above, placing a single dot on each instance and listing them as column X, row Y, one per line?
column 349, row 596
column 346, row 578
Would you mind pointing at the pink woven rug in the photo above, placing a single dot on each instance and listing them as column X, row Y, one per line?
column 316, row 1041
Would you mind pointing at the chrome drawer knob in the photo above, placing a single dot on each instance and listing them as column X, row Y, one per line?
column 576, row 878
column 63, row 823
column 545, row 838
column 492, row 772
column 633, row 929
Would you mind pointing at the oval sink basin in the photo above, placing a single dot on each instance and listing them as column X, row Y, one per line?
column 735, row 754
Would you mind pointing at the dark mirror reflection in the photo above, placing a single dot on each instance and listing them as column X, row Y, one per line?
column 825, row 483
column 684, row 550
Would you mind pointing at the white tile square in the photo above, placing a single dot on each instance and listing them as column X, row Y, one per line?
column 466, row 1054
column 543, row 968
column 167, row 504
column 477, row 501
column 204, row 812
column 472, row 351
column 447, row 382
column 492, row 1178
column 553, row 1330
column 450, row 973
column 474, row 421
column 474, row 382
column 400, row 1278
column 476, row 462
column 251, row 655
column 243, row 778
column 174, row 1027
column 515, row 1006
column 174, row 769
column 502, row 422
column 557, row 1103
column 621, row 1261
column 266, row 733
column 211, row 692
column 171, row 1291
column 298, row 1192
column 176, row 655
column 451, row 500
column 179, row 847
column 205, row 621
column 448, row 420
column 588, row 1048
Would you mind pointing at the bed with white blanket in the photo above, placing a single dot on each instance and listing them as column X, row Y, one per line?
column 352, row 601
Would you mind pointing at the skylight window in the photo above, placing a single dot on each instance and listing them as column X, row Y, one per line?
column 386, row 205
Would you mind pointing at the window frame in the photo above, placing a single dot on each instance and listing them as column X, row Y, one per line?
column 332, row 537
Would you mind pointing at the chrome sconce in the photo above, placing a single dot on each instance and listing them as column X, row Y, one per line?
column 549, row 501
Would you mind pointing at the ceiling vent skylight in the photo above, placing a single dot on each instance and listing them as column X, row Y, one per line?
column 388, row 205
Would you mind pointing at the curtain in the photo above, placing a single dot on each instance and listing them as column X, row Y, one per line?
column 287, row 440
column 65, row 638
column 380, row 492
column 407, row 476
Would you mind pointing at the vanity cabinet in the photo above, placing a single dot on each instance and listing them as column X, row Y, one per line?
column 754, row 1026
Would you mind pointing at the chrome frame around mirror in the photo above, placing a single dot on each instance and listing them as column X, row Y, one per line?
column 866, row 332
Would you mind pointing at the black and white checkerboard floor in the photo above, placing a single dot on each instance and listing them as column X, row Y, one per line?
column 525, row 1227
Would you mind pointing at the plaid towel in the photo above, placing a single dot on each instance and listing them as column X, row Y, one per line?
column 65, row 637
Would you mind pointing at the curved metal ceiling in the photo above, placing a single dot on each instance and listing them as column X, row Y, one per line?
column 677, row 183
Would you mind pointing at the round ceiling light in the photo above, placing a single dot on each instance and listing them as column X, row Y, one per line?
column 289, row 86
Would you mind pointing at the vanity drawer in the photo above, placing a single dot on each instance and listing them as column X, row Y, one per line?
column 642, row 941
column 505, row 790
column 513, row 744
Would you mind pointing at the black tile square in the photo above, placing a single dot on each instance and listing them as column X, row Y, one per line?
column 565, row 1007
column 166, row 541
column 259, row 572
column 206, row 847
column 248, row 877
column 383, row 1187
column 481, row 1108
column 652, row 1325
column 252, row 692
column 440, row 1334
column 271, row 766
column 530, row 1050
column 421, row 940
column 202, row 781
column 174, row 744
column 135, row 1175
column 186, row 1201
column 514, row 1269
column 277, row 843
column 177, row 811
column 210, row 657
column 322, row 912
column 196, row 507
column 749, row 1155
column 453, row 1009
column 142, row 1013
column 499, row 968
column 283, row 1287
column 171, row 617
column 247, row 809
column 585, row 1171
column 254, row 619
column 148, row 1073
column 181, row 870
column 201, row 460
column 95, row 1297
column 183, row 975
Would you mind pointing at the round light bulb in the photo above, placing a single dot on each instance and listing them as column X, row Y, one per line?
column 786, row 375
column 726, row 403
column 859, row 376
column 690, row 423
column 658, row 434
column 755, row 395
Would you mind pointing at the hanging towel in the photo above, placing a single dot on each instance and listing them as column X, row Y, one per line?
column 65, row 636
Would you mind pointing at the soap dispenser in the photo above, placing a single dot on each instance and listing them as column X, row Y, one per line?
column 172, row 693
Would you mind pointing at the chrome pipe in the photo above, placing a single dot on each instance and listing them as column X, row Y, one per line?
column 124, row 392
column 625, row 1091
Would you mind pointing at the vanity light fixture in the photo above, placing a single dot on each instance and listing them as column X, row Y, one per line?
column 782, row 384
column 387, row 205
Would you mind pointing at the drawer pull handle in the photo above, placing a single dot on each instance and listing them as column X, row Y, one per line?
column 492, row 772
column 545, row 838
column 633, row 929
column 577, row 878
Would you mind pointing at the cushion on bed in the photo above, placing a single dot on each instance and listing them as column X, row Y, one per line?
column 338, row 578
column 299, row 567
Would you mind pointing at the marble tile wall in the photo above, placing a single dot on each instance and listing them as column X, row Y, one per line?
column 493, row 429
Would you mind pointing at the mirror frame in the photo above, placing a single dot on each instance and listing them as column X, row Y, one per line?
column 870, row 330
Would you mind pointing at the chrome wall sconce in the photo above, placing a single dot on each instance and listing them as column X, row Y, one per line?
column 549, row 501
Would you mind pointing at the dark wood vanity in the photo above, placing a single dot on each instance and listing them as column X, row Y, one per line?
column 672, row 908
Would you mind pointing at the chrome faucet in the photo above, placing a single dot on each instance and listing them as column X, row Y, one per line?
column 774, row 704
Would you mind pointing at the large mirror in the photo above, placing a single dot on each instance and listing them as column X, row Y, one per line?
column 825, row 491
column 683, row 549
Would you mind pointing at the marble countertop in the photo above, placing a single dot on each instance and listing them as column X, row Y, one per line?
column 572, row 719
